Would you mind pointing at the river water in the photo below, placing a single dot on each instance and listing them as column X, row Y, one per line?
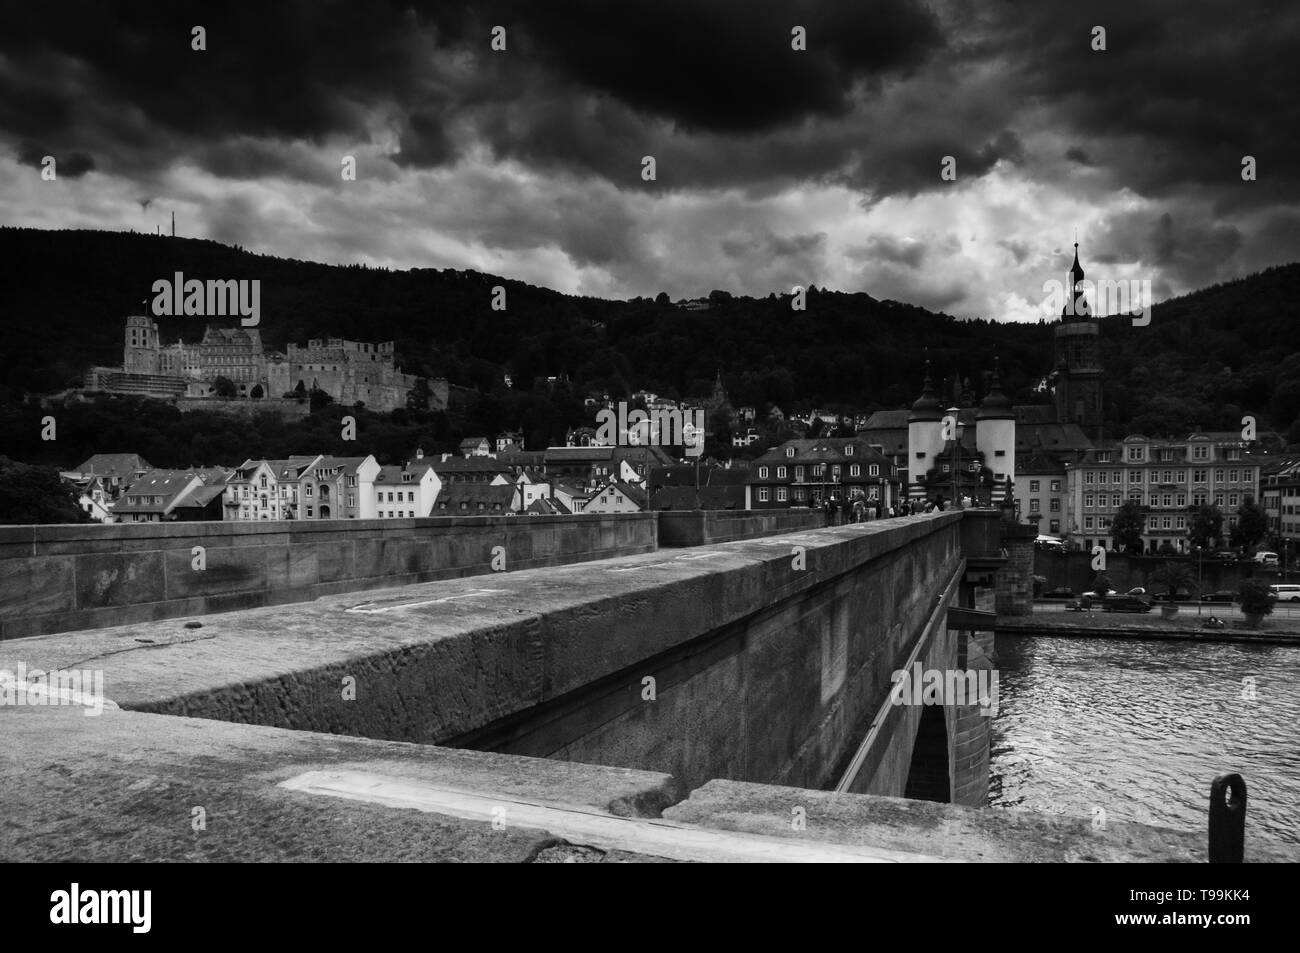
column 1139, row 729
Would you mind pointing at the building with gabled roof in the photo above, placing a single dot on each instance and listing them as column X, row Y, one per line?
column 615, row 496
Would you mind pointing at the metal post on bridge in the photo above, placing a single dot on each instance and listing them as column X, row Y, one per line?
column 1227, row 820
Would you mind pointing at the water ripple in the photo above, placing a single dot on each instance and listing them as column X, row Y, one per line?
column 1140, row 729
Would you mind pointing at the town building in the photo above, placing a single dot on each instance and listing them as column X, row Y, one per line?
column 1166, row 477
column 804, row 472
column 615, row 497
column 1279, row 492
column 302, row 488
column 408, row 491
column 163, row 496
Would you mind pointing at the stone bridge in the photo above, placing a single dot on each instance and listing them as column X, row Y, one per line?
column 725, row 701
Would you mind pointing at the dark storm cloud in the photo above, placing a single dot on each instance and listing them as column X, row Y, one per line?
column 1191, row 87
column 72, row 164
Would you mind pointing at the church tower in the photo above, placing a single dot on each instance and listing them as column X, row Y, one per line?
column 1078, row 357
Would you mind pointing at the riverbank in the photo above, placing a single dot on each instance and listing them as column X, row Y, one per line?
column 1273, row 631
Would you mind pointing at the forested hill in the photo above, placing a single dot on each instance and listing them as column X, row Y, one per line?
column 1205, row 359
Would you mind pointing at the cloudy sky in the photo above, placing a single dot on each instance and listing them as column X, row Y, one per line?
column 774, row 167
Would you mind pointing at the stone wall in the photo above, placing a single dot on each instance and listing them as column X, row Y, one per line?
column 59, row 578
column 698, row 527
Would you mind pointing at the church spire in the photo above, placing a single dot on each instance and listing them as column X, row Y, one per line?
column 1077, row 305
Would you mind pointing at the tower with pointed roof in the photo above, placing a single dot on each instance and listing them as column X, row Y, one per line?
column 924, row 430
column 1077, row 346
column 995, row 435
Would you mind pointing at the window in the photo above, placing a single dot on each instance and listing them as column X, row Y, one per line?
column 1198, row 476
column 1232, row 476
column 1087, row 522
column 798, row 474
column 352, row 499
column 1135, row 454
column 1054, row 526
column 920, row 454
column 1103, row 456
column 309, row 512
column 855, row 469
column 1033, row 505
column 1088, row 476
column 1155, row 476
column 762, row 473
column 1201, row 452
column 264, row 480
column 1089, row 500
column 1167, row 500
column 1054, row 505
column 1233, row 499
column 781, row 494
column 1056, row 486
column 1033, row 486
column 1135, row 476
column 789, row 451
column 762, row 494
column 780, row 473
column 307, row 491
column 848, row 450
column 1115, row 501
column 1182, row 522
column 945, row 468
column 873, row 470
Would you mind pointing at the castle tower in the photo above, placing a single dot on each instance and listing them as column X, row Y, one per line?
column 924, row 435
column 140, row 349
column 1077, row 344
column 995, row 435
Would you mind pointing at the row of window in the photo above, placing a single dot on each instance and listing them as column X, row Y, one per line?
column 848, row 450
column 818, row 470
column 1170, row 476
column 1138, row 454
column 1034, row 486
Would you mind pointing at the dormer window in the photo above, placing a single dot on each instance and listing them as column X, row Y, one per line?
column 848, row 450
column 789, row 451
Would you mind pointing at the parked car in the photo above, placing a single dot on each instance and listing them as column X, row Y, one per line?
column 1285, row 592
column 1266, row 559
column 1126, row 603
column 1220, row 595
column 1172, row 597
column 1224, row 555
column 1136, row 591
column 1084, row 602
column 1061, row 592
